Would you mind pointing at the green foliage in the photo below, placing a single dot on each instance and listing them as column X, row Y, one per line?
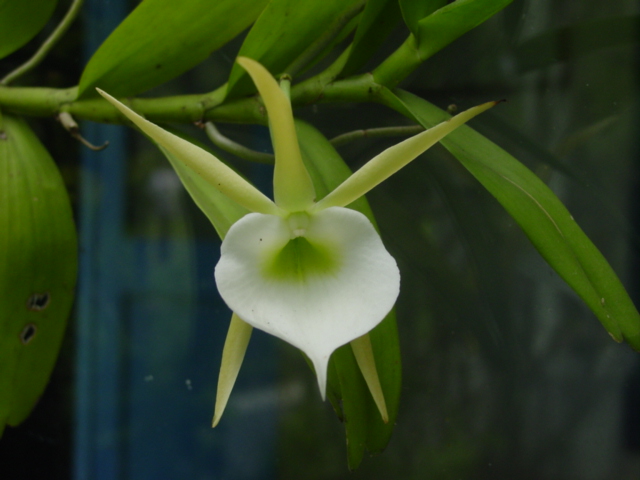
column 442, row 27
column 378, row 20
column 544, row 219
column 415, row 10
column 432, row 33
column 158, row 42
column 38, row 266
column 284, row 30
column 21, row 20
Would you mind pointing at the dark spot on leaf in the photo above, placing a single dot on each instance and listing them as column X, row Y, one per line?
column 3, row 135
column 38, row 301
column 27, row 333
column 158, row 66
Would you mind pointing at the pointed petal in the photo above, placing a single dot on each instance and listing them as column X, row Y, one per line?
column 363, row 351
column 202, row 162
column 316, row 292
column 393, row 159
column 221, row 211
column 292, row 186
column 233, row 352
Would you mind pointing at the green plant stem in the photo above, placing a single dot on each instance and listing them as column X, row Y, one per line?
column 322, row 88
column 376, row 133
column 228, row 145
column 36, row 101
column 397, row 66
column 48, row 44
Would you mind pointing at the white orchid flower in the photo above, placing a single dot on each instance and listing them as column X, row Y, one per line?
column 315, row 274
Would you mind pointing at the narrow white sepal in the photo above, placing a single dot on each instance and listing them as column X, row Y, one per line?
column 338, row 296
column 233, row 352
column 219, row 175
column 393, row 159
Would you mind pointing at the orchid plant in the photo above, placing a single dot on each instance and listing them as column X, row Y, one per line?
column 307, row 266
column 313, row 273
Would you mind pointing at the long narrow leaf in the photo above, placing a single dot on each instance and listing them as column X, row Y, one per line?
column 161, row 39
column 413, row 12
column 542, row 216
column 445, row 25
column 378, row 20
column 284, row 30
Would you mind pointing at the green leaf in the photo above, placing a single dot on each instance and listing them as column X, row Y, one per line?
column 378, row 20
column 415, row 10
column 284, row 30
column 347, row 389
column 542, row 216
column 442, row 27
column 161, row 39
column 21, row 20
column 38, row 267
column 432, row 34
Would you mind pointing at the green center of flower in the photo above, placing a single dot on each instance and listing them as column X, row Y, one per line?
column 301, row 258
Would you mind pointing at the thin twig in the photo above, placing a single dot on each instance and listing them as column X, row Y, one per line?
column 375, row 133
column 48, row 44
column 236, row 149
column 71, row 126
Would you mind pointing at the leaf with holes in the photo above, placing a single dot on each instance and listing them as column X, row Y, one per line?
column 38, row 266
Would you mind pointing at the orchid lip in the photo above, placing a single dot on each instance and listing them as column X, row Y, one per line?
column 318, row 291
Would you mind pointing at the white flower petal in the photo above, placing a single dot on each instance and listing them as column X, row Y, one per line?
column 323, row 290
